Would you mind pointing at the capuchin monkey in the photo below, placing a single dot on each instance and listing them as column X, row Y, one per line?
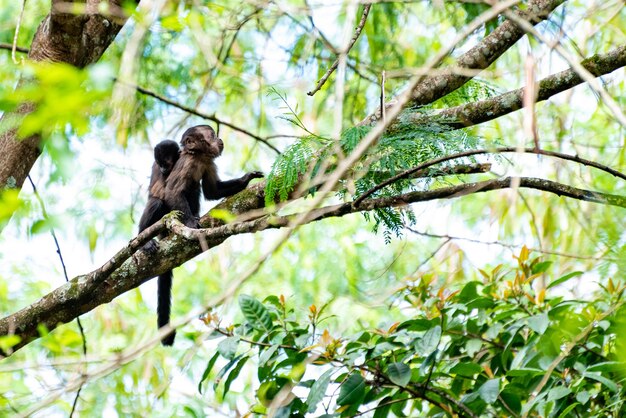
column 166, row 153
column 194, row 170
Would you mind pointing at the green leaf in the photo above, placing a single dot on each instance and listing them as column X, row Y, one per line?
column 9, row 341
column 399, row 374
column 267, row 355
column 225, row 369
column 565, row 278
column 558, row 392
column 606, row 366
column 511, row 398
column 383, row 408
column 318, row 390
column 267, row 391
column 524, row 372
column 566, row 411
column 400, row 400
column 539, row 323
column 283, row 412
column 256, row 313
column 473, row 346
column 541, row 267
column 489, row 391
column 466, row 369
column 228, row 347
column 207, row 370
column 352, row 390
column 429, row 341
column 611, row 385
column 234, row 373
column 469, row 292
column 583, row 397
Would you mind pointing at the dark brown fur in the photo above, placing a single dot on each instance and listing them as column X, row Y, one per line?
column 194, row 169
column 166, row 154
column 196, row 165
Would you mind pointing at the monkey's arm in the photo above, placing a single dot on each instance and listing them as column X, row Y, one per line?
column 176, row 200
column 213, row 188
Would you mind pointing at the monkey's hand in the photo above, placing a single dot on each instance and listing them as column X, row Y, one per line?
column 193, row 222
column 253, row 175
column 150, row 247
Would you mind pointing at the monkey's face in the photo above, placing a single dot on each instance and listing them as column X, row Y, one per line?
column 202, row 140
column 215, row 145
column 167, row 165
column 166, row 154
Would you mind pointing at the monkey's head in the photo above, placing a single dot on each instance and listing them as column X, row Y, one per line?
column 202, row 139
column 166, row 154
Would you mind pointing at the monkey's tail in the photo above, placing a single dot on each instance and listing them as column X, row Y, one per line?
column 164, row 304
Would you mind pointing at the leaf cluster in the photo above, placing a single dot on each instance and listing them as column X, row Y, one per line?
column 494, row 347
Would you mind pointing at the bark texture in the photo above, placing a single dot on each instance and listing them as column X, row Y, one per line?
column 74, row 32
column 481, row 56
column 130, row 268
column 486, row 110
column 125, row 271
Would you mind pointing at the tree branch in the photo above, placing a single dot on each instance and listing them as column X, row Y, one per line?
column 9, row 47
column 493, row 108
column 75, row 33
column 410, row 173
column 128, row 268
column 333, row 67
column 193, row 111
column 481, row 56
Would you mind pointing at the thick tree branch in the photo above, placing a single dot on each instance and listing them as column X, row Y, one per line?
column 479, row 57
column 76, row 33
column 486, row 110
column 125, row 271
column 128, row 269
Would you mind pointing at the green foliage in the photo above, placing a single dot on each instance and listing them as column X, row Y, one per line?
column 63, row 95
column 495, row 347
column 405, row 147
column 472, row 91
column 291, row 164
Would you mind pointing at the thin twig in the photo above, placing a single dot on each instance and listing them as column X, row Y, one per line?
column 433, row 254
column 9, row 47
column 506, row 245
column 58, row 246
column 333, row 67
column 17, row 32
column 435, row 161
column 67, row 279
column 75, row 401
column 200, row 114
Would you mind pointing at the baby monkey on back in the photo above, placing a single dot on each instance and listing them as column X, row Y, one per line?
column 177, row 177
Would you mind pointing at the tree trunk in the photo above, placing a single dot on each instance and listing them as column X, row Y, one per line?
column 76, row 33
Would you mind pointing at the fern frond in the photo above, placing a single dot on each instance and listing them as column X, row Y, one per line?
column 472, row 91
column 295, row 161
